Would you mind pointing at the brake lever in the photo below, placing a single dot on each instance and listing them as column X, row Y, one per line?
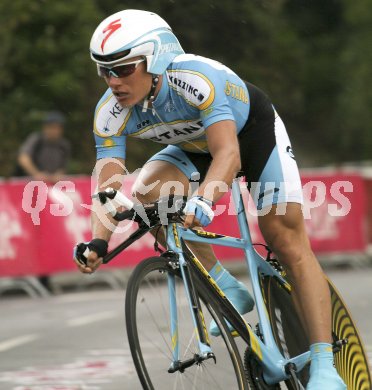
column 81, row 253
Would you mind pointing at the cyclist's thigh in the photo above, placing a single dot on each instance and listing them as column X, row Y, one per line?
column 167, row 172
column 269, row 164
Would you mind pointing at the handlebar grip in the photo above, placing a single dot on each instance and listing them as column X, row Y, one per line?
column 123, row 200
column 127, row 214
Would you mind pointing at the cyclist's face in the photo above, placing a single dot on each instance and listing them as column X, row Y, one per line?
column 132, row 89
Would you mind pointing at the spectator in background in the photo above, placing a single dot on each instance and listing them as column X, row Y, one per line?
column 44, row 155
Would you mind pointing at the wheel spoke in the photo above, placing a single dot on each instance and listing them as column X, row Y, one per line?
column 147, row 303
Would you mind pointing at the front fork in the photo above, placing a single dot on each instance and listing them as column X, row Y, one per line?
column 176, row 259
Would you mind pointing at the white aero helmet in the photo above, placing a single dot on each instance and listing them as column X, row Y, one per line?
column 132, row 33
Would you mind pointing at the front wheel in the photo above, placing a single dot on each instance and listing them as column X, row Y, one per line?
column 151, row 343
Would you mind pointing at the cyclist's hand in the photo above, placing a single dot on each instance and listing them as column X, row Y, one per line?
column 88, row 255
column 198, row 212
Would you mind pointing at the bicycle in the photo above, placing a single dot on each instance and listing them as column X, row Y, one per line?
column 268, row 356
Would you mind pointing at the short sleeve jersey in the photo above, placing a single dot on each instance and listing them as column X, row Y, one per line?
column 195, row 93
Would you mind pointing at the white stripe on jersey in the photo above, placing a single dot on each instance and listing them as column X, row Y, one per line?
column 192, row 57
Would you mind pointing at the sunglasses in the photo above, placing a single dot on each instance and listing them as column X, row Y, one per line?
column 122, row 70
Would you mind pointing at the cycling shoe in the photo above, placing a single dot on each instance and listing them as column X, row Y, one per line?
column 325, row 379
column 323, row 374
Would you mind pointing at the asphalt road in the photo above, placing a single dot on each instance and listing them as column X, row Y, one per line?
column 77, row 341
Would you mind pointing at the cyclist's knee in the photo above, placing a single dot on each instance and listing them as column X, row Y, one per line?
column 153, row 192
column 286, row 236
column 159, row 179
column 286, row 245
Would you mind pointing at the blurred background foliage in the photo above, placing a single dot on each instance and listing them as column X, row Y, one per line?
column 314, row 58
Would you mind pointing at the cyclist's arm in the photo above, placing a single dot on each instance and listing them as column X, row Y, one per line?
column 110, row 173
column 224, row 147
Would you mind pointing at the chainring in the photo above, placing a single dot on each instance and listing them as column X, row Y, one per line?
column 253, row 373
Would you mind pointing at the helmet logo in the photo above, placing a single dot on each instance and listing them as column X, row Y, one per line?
column 110, row 29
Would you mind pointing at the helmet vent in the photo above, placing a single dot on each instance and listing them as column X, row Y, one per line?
column 111, row 57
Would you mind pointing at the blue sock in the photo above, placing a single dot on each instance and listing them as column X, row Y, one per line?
column 323, row 374
column 234, row 290
column 322, row 353
column 321, row 350
column 222, row 277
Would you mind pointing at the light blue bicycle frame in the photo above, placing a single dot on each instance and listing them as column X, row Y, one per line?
column 272, row 360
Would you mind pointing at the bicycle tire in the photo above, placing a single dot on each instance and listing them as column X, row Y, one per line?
column 351, row 362
column 147, row 279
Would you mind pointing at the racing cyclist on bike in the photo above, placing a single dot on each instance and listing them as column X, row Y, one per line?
column 214, row 125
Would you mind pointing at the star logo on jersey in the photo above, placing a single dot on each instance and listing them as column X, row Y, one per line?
column 110, row 29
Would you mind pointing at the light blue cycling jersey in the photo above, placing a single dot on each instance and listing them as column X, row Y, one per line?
column 195, row 93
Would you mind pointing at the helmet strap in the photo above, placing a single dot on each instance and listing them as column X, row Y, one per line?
column 151, row 96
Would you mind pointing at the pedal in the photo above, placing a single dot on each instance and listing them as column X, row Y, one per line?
column 338, row 344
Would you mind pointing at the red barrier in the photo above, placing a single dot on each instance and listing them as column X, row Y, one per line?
column 40, row 224
column 368, row 185
column 335, row 211
column 18, row 243
column 337, row 222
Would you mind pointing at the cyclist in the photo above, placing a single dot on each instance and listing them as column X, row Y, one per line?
column 216, row 125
